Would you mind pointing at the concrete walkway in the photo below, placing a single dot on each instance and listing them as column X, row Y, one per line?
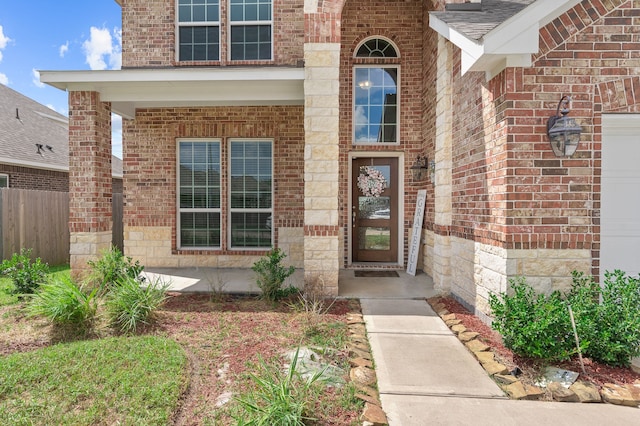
column 427, row 377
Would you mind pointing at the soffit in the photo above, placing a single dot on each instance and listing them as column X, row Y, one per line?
column 130, row 89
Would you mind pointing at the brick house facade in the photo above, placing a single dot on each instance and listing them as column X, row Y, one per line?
column 500, row 203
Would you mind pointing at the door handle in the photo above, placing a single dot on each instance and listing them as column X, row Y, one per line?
column 353, row 219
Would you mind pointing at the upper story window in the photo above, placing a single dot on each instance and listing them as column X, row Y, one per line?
column 199, row 30
column 251, row 23
column 375, row 94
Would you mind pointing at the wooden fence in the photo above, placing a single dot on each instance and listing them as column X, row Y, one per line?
column 40, row 220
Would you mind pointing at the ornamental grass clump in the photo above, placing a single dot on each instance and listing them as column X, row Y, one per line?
column 111, row 268
column 64, row 303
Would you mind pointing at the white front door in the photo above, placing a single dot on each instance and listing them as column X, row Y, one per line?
column 620, row 198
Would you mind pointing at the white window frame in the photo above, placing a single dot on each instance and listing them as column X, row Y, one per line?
column 6, row 176
column 179, row 210
column 248, row 23
column 353, row 105
column 232, row 210
column 179, row 24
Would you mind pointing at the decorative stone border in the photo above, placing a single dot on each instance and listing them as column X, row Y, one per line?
column 580, row 391
column 362, row 373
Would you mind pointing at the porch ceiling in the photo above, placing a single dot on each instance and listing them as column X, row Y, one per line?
column 130, row 89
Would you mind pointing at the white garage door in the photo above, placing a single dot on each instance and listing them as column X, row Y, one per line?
column 620, row 207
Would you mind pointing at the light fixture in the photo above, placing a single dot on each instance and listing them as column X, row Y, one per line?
column 564, row 132
column 365, row 84
column 420, row 168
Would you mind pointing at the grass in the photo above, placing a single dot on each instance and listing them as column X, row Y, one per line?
column 135, row 380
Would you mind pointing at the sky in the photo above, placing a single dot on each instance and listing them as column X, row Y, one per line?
column 58, row 35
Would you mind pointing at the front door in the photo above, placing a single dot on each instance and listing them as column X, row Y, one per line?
column 374, row 210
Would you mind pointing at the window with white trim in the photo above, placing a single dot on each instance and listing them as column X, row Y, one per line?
column 251, row 26
column 198, row 30
column 375, row 95
column 4, row 180
column 251, row 193
column 199, row 224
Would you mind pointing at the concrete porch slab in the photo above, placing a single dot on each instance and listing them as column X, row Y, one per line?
column 401, row 316
column 411, row 410
column 419, row 364
column 404, row 286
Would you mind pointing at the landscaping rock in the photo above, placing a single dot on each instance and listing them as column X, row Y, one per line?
column 361, row 362
column 467, row 336
column 457, row 329
column 485, row 357
column 363, row 376
column 618, row 395
column 495, row 368
column 586, row 392
column 520, row 391
column 374, row 415
column 505, row 379
column 562, row 394
column 357, row 353
column 368, row 390
column 451, row 323
column 359, row 346
column 476, row 346
column 448, row 317
column 367, row 398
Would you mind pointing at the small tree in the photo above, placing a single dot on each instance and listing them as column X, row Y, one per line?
column 25, row 275
column 271, row 274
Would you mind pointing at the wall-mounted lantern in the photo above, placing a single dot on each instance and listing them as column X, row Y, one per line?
column 420, row 168
column 564, row 132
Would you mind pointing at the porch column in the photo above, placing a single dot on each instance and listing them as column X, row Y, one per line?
column 90, row 211
column 322, row 234
column 442, row 272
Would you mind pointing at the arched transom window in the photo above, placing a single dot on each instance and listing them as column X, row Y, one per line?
column 375, row 94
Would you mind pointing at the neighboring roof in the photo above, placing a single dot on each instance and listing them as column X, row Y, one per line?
column 504, row 33
column 25, row 124
column 129, row 89
column 475, row 24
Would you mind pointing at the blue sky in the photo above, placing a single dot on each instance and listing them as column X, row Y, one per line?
column 58, row 35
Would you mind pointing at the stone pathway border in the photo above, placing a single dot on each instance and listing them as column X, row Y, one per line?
column 581, row 391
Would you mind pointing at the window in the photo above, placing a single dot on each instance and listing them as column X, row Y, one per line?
column 251, row 29
column 199, row 194
column 199, row 30
column 251, row 192
column 375, row 95
column 4, row 181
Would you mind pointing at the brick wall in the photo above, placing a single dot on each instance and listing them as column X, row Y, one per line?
column 509, row 189
column 150, row 160
column 149, row 34
column 28, row 178
column 403, row 23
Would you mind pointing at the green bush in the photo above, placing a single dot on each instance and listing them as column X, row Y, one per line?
column 607, row 319
column 130, row 304
column 279, row 398
column 532, row 324
column 64, row 303
column 26, row 276
column 271, row 275
column 111, row 268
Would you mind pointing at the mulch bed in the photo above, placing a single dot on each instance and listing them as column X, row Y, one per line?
column 596, row 373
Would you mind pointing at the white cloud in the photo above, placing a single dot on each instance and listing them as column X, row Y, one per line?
column 4, row 40
column 36, row 78
column 101, row 48
column 4, row 79
column 64, row 49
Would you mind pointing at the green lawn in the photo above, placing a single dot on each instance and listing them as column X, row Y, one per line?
column 127, row 380
column 6, row 286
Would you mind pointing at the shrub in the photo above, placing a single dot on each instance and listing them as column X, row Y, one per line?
column 111, row 268
column 64, row 303
column 280, row 398
column 26, row 276
column 611, row 327
column 533, row 324
column 129, row 304
column 271, row 275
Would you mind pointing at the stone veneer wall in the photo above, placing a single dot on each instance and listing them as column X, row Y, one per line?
column 321, row 233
